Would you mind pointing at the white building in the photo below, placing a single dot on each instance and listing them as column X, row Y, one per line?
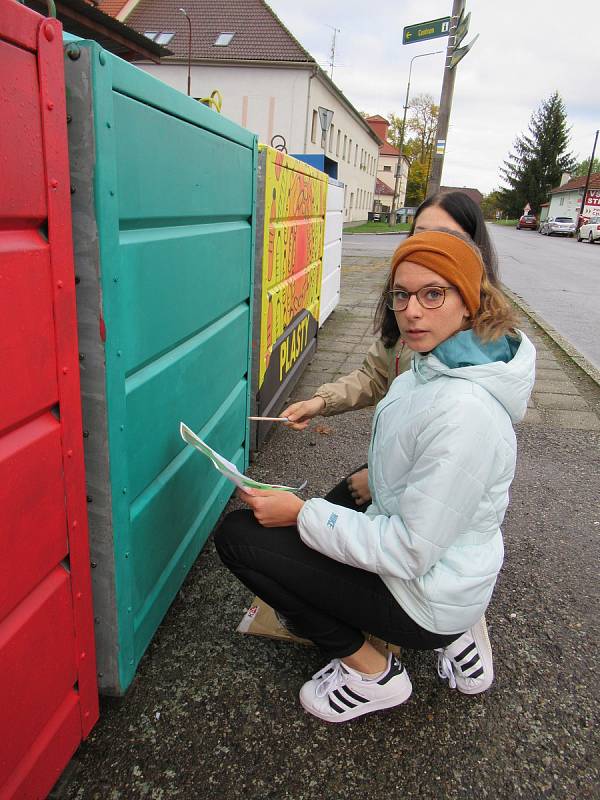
column 389, row 162
column 267, row 81
column 565, row 200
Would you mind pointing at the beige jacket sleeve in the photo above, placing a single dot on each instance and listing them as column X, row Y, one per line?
column 367, row 385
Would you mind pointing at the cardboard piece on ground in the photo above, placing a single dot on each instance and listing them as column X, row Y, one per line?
column 261, row 620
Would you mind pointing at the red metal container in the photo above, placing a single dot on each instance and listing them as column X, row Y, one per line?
column 47, row 657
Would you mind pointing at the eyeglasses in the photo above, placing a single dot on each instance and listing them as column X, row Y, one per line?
column 428, row 297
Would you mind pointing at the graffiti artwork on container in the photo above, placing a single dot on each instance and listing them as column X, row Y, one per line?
column 295, row 206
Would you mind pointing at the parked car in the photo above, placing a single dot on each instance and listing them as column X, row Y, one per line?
column 527, row 221
column 561, row 226
column 590, row 231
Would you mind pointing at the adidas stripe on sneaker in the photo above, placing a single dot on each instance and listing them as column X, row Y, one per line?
column 338, row 693
column 467, row 663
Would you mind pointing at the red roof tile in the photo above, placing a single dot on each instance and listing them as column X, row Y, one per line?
column 474, row 194
column 578, row 183
column 259, row 35
column 111, row 7
column 388, row 149
column 382, row 188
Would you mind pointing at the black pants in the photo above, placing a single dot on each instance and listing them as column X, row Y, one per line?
column 340, row 494
column 325, row 601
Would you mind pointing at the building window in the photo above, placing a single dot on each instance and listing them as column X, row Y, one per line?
column 223, row 39
column 337, row 146
column 160, row 37
column 331, row 139
column 349, row 150
column 344, row 150
column 355, row 153
column 562, row 201
column 387, row 168
column 313, row 130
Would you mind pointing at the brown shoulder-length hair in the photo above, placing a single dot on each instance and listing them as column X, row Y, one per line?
column 494, row 318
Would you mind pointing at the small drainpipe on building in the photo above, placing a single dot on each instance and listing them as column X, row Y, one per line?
column 308, row 116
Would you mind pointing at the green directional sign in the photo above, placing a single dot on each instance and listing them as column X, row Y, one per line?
column 433, row 29
column 462, row 27
column 461, row 52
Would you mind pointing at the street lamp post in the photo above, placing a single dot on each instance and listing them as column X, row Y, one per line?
column 401, row 145
column 189, row 75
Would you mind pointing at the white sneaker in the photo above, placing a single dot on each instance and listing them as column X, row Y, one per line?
column 467, row 663
column 338, row 693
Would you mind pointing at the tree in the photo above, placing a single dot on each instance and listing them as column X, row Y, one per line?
column 581, row 169
column 539, row 159
column 419, row 139
column 490, row 204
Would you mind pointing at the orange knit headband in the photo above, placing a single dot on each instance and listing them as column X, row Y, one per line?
column 452, row 258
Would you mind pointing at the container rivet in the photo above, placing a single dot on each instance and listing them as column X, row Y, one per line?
column 129, row 609
column 73, row 189
column 89, row 498
column 102, row 57
column 82, row 655
column 118, row 354
column 79, row 595
column 124, row 490
column 49, row 105
column 49, row 33
column 112, row 193
column 121, row 427
column 69, row 454
column 73, row 52
column 54, row 183
column 108, row 124
column 65, row 370
column 74, row 523
column 59, row 284
column 93, row 564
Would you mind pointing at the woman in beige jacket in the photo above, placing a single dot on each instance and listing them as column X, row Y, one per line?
column 388, row 356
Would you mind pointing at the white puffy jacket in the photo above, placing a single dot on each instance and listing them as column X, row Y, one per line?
column 441, row 461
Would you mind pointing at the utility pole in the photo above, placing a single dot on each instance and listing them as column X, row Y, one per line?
column 435, row 177
column 589, row 172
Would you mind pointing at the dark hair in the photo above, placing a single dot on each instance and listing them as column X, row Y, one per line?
column 466, row 213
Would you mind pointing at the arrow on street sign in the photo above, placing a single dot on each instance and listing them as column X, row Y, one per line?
column 462, row 28
column 432, row 29
column 459, row 54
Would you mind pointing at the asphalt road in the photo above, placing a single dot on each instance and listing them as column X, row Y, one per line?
column 559, row 279
column 556, row 276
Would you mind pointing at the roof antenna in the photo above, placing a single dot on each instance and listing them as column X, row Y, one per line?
column 332, row 54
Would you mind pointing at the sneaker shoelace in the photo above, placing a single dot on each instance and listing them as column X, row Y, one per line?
column 331, row 676
column 445, row 669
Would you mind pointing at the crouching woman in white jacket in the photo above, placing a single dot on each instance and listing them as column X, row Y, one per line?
column 419, row 567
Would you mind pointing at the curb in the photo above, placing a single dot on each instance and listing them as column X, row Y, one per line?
column 590, row 370
column 380, row 233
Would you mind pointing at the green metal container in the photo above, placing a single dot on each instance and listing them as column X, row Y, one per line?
column 163, row 211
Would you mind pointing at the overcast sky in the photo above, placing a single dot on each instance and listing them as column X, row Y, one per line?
column 525, row 51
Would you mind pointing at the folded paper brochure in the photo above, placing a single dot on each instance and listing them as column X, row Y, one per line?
column 226, row 468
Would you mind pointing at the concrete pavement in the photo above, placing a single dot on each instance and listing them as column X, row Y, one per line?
column 214, row 714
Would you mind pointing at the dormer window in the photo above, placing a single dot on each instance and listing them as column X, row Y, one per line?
column 223, row 39
column 160, row 37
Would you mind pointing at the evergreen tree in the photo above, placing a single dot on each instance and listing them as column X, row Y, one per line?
column 539, row 159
